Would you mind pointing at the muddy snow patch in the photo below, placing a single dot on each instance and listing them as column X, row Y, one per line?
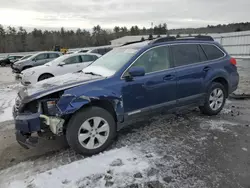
column 97, row 171
column 7, row 100
column 217, row 125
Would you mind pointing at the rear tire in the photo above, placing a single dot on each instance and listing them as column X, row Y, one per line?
column 88, row 137
column 215, row 99
column 44, row 77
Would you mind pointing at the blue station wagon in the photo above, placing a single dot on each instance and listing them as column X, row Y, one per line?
column 128, row 83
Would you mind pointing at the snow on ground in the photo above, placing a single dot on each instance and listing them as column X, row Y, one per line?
column 7, row 100
column 112, row 167
column 220, row 125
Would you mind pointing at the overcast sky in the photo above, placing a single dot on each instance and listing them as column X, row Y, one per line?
column 109, row 13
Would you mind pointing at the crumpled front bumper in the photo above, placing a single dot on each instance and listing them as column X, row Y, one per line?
column 25, row 125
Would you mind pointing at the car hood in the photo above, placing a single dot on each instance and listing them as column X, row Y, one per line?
column 55, row 84
column 21, row 61
column 37, row 68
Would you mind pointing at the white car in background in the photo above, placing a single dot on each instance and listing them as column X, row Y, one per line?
column 62, row 65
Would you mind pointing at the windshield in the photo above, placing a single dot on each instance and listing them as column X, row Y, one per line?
column 111, row 62
column 25, row 57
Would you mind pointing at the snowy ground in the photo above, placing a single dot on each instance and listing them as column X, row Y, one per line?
column 186, row 150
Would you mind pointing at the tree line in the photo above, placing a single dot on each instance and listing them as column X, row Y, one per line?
column 19, row 40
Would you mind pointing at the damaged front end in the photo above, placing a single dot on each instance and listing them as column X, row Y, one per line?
column 40, row 118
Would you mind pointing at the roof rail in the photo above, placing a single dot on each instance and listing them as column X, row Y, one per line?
column 198, row 37
column 128, row 43
column 172, row 38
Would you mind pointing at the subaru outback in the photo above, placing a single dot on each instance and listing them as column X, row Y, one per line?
column 128, row 83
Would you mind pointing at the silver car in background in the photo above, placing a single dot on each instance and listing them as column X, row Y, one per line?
column 35, row 60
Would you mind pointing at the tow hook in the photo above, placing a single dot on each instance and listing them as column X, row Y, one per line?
column 55, row 123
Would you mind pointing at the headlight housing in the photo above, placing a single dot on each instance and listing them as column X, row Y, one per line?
column 29, row 73
column 50, row 107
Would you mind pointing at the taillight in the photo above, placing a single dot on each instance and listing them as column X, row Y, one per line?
column 233, row 61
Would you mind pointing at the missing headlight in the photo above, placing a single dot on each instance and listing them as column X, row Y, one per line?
column 50, row 108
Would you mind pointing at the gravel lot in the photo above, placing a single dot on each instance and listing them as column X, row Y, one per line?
column 184, row 150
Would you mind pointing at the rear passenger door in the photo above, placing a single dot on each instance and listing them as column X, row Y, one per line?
column 190, row 69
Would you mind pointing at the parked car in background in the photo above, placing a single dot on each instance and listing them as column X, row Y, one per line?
column 65, row 64
column 35, row 60
column 24, row 57
column 97, row 50
column 10, row 59
column 128, row 83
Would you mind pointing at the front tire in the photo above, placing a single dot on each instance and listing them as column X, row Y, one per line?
column 91, row 130
column 3, row 64
column 215, row 99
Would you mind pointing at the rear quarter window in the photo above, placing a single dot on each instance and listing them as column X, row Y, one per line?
column 212, row 52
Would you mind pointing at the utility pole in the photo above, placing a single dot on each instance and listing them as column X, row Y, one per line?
column 152, row 24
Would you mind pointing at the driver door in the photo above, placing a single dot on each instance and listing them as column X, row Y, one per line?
column 40, row 59
column 154, row 91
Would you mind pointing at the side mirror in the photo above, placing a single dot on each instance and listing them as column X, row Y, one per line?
column 61, row 64
column 136, row 71
column 34, row 59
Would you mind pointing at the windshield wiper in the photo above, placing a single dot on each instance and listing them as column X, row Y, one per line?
column 92, row 73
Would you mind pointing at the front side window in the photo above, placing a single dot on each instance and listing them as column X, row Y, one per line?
column 41, row 57
column 212, row 51
column 154, row 60
column 72, row 60
column 185, row 54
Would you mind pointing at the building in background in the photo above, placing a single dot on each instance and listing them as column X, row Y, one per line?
column 236, row 44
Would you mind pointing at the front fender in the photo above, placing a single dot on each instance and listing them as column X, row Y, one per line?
column 69, row 103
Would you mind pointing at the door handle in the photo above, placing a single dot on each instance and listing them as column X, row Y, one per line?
column 169, row 77
column 206, row 69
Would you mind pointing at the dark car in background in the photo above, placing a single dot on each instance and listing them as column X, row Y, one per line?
column 10, row 59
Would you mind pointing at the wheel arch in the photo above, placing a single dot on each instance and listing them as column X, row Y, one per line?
column 47, row 73
column 70, row 104
column 224, row 82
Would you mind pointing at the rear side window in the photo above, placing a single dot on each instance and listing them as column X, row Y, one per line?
column 212, row 51
column 53, row 55
column 87, row 58
column 185, row 54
